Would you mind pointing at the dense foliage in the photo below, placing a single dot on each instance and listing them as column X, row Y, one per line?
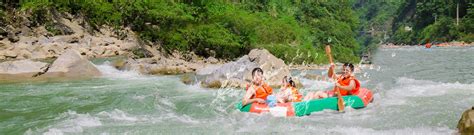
column 415, row 22
column 294, row 30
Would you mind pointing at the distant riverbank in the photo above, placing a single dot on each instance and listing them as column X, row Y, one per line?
column 443, row 44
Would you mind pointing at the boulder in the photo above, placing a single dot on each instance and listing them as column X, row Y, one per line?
column 39, row 53
column 21, row 69
column 238, row 73
column 155, row 66
column 24, row 54
column 10, row 54
column 466, row 123
column 274, row 68
column 4, row 45
column 72, row 64
column 212, row 60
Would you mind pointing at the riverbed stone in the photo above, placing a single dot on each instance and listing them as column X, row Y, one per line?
column 466, row 123
column 19, row 69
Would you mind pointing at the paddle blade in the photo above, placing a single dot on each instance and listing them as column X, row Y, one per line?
column 328, row 50
column 340, row 101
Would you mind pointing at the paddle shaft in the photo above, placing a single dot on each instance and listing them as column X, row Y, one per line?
column 340, row 101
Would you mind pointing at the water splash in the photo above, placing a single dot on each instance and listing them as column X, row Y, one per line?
column 108, row 71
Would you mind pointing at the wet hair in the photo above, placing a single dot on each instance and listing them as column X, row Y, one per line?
column 289, row 80
column 256, row 70
column 292, row 83
column 350, row 65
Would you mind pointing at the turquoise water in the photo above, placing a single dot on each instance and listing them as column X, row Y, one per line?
column 417, row 91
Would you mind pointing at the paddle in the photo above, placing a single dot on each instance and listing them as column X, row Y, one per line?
column 340, row 101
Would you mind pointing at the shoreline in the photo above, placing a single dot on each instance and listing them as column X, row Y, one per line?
column 444, row 44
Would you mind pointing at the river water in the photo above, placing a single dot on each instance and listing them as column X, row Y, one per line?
column 416, row 91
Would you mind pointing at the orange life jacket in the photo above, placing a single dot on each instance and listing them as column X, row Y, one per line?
column 261, row 91
column 428, row 45
column 346, row 82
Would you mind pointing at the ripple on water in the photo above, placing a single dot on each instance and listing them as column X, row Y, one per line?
column 409, row 88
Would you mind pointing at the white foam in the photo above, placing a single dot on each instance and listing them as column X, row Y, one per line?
column 73, row 123
column 316, row 85
column 406, row 87
column 109, row 71
column 117, row 114
column 404, row 131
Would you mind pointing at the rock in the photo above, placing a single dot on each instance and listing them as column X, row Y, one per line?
column 212, row 84
column 72, row 64
column 119, row 63
column 466, row 123
column 3, row 33
column 274, row 68
column 41, row 30
column 109, row 52
column 187, row 79
column 72, row 26
column 236, row 71
column 153, row 50
column 20, row 69
column 4, row 46
column 10, row 54
column 128, row 46
column 156, row 67
column 208, row 69
column 38, row 55
column 24, row 54
column 98, row 51
column 166, row 70
column 212, row 60
column 65, row 30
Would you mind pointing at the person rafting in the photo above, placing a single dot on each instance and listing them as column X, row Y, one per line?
column 346, row 83
column 258, row 90
column 428, row 44
column 288, row 91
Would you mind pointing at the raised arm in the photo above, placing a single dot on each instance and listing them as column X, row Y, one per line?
column 331, row 73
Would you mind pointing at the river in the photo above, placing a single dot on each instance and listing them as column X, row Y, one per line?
column 416, row 91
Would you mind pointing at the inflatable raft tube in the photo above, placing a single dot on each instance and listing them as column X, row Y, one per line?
column 356, row 101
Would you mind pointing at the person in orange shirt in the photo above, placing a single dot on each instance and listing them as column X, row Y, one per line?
column 346, row 83
column 288, row 91
column 258, row 90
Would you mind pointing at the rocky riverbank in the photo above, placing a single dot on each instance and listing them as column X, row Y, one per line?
column 69, row 65
column 24, row 48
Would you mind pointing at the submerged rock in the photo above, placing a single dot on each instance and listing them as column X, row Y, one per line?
column 466, row 123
